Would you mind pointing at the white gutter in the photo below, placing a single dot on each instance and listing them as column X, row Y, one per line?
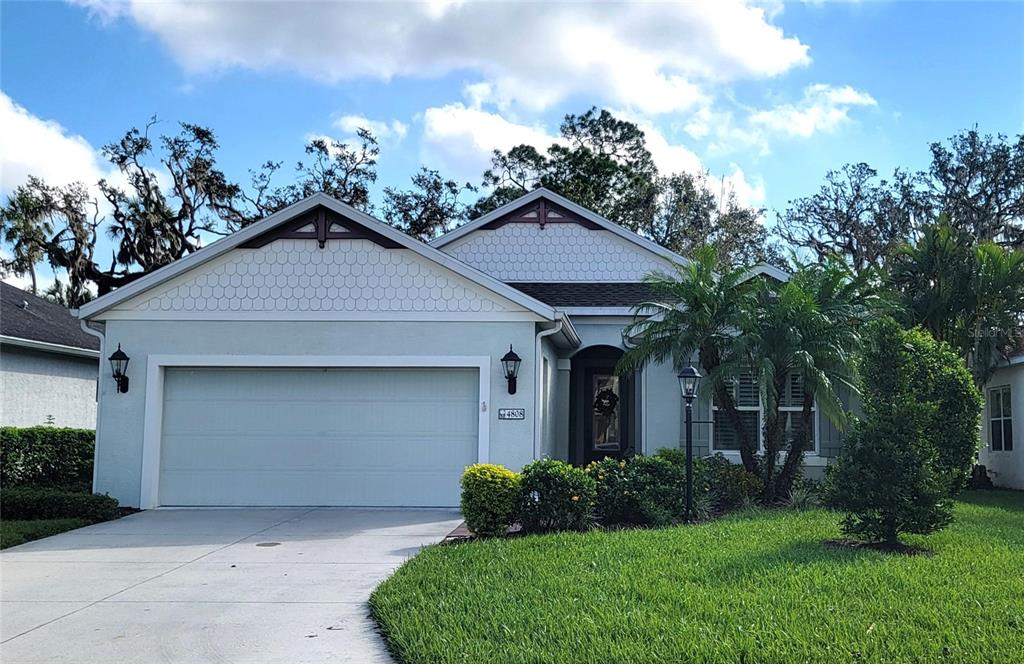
column 538, row 363
column 48, row 347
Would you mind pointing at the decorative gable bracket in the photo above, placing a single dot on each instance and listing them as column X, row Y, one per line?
column 320, row 224
column 542, row 212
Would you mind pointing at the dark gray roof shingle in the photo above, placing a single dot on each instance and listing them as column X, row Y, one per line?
column 27, row 316
column 587, row 294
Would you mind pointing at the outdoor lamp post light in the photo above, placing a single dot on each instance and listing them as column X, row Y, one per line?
column 510, row 363
column 118, row 365
column 689, row 378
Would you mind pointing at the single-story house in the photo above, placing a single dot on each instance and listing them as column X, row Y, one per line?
column 1002, row 428
column 321, row 357
column 48, row 364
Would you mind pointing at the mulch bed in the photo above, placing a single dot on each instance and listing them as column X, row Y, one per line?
column 883, row 547
column 463, row 534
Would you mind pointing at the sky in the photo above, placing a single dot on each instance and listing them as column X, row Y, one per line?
column 767, row 96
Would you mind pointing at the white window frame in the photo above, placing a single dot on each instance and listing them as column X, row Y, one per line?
column 1002, row 418
column 759, row 408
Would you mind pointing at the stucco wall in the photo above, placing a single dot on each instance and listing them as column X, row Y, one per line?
column 120, row 430
column 34, row 385
column 1006, row 468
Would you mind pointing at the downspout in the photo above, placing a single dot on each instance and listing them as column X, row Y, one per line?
column 99, row 333
column 538, row 364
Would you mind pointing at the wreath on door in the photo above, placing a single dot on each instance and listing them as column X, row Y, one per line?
column 605, row 402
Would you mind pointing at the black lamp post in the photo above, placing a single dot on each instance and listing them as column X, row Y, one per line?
column 118, row 365
column 689, row 378
column 510, row 363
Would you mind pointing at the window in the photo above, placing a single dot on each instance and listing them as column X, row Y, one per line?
column 748, row 403
column 1000, row 420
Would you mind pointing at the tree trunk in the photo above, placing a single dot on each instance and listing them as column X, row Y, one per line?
column 795, row 455
column 772, row 443
column 709, row 361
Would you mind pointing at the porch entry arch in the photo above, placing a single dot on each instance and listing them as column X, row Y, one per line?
column 602, row 407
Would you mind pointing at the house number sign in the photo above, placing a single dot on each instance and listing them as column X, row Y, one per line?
column 511, row 413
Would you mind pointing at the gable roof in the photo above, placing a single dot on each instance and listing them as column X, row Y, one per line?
column 564, row 202
column 28, row 317
column 588, row 293
column 289, row 214
column 767, row 270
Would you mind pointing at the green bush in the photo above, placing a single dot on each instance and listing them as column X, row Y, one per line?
column 615, row 502
column 490, row 498
column 644, row 491
column 555, row 496
column 49, row 503
column 900, row 463
column 660, row 489
column 47, row 456
column 729, row 484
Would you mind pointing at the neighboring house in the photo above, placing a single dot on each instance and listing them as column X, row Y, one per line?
column 321, row 357
column 1003, row 425
column 48, row 365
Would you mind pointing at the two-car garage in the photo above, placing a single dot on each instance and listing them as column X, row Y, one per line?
column 373, row 436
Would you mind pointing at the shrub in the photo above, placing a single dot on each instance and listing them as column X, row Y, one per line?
column 897, row 467
column 615, row 503
column 49, row 503
column 490, row 497
column 47, row 456
column 644, row 491
column 730, row 484
column 555, row 496
column 660, row 489
column 803, row 495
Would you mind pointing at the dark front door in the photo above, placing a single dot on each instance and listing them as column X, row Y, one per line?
column 602, row 408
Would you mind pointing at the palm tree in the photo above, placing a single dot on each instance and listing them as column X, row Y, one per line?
column 807, row 330
column 696, row 311
column 967, row 293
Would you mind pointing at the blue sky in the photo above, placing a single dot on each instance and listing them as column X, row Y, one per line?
column 769, row 95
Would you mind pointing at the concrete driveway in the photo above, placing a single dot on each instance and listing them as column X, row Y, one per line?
column 225, row 585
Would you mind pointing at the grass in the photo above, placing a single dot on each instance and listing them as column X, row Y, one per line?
column 13, row 533
column 758, row 586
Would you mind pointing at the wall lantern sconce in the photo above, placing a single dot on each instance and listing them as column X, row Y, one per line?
column 510, row 363
column 118, row 365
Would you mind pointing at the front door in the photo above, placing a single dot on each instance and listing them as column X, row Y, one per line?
column 602, row 408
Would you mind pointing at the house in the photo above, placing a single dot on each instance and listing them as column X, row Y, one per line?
column 1002, row 451
column 48, row 365
column 321, row 357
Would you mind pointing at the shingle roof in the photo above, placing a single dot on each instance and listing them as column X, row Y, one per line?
column 27, row 316
column 587, row 294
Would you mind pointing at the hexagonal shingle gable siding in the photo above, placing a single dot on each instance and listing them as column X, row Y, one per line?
column 554, row 252
column 290, row 275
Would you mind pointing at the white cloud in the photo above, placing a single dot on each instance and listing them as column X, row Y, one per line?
column 460, row 138
column 654, row 57
column 822, row 109
column 751, row 193
column 382, row 130
column 32, row 146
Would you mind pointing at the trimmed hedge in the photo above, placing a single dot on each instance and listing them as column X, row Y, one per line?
column 47, row 456
column 490, row 498
column 555, row 496
column 27, row 503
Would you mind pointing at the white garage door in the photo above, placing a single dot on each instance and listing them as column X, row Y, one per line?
column 382, row 437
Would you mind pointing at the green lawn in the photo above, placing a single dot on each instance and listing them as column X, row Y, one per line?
column 753, row 587
column 13, row 533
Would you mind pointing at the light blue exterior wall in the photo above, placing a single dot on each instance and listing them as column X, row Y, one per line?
column 36, row 385
column 121, row 417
